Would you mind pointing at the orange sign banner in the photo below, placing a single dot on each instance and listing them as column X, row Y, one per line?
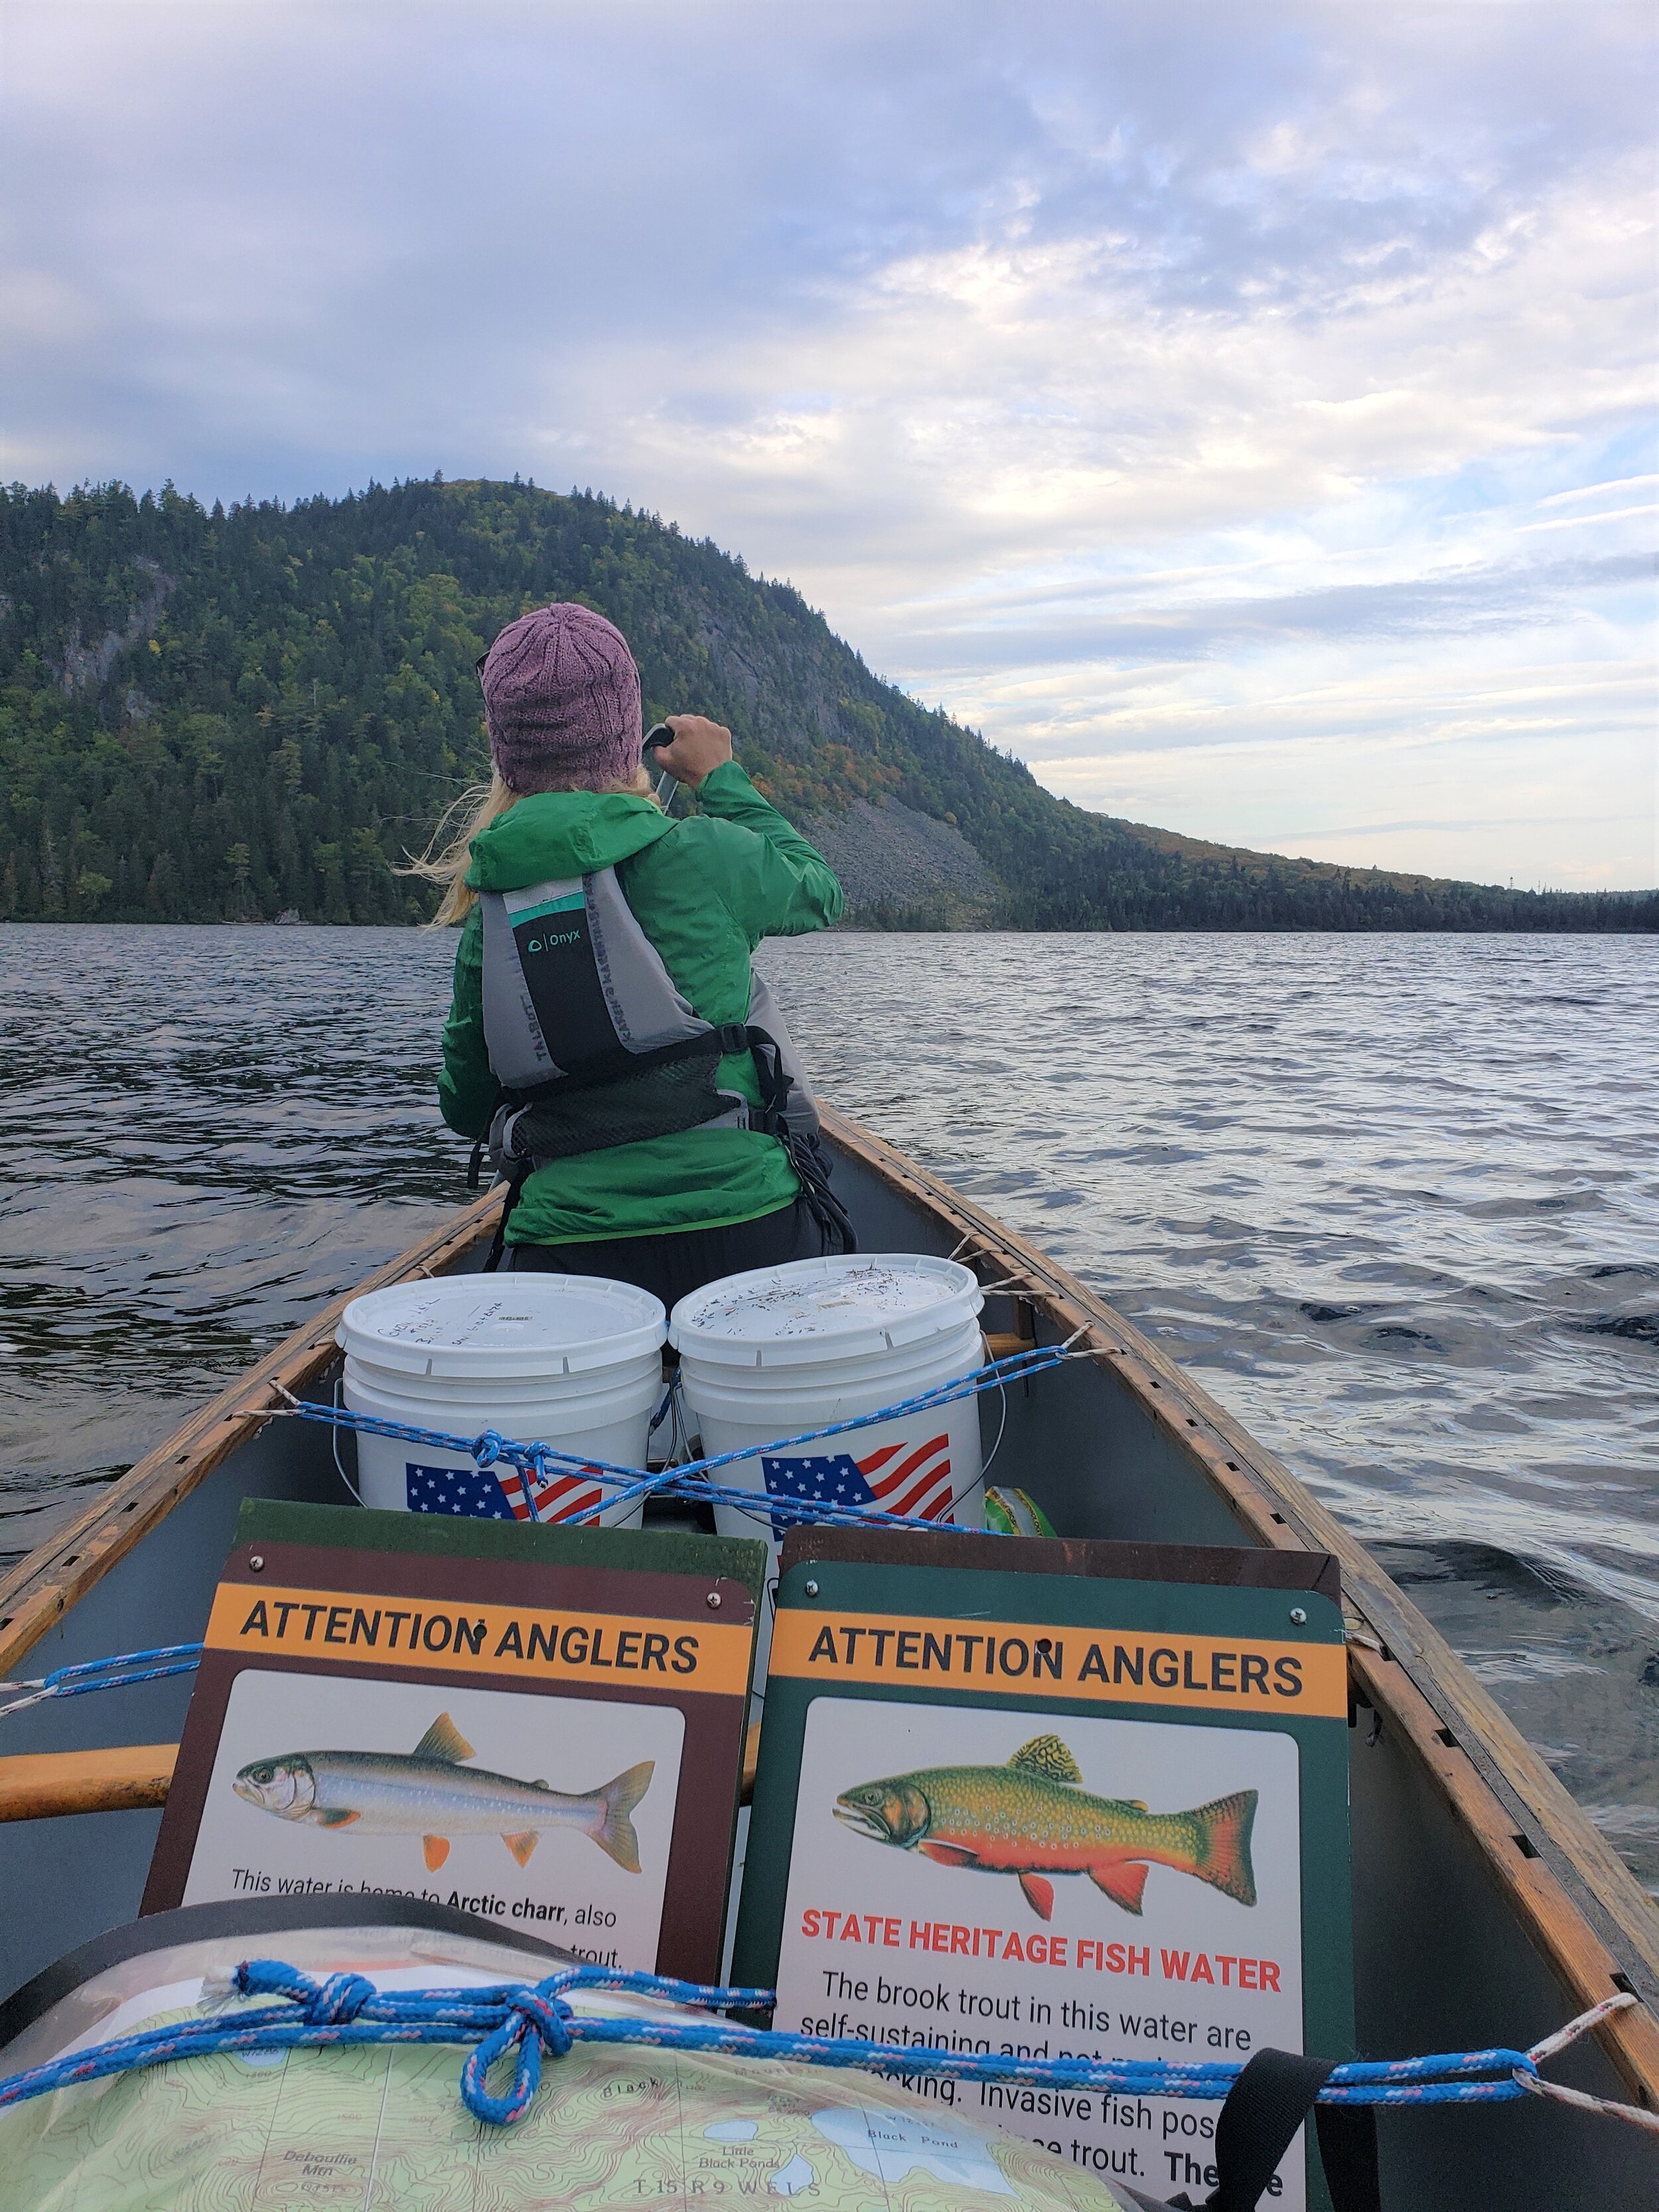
column 349, row 1627
column 1039, row 1661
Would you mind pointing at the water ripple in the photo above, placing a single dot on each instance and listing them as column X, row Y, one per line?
column 1395, row 1200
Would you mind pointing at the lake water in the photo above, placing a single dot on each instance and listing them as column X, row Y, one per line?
column 1395, row 1201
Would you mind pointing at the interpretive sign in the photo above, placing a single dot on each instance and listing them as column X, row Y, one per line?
column 542, row 1725
column 1055, row 1810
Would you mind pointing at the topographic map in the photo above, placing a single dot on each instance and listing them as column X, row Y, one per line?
column 383, row 2129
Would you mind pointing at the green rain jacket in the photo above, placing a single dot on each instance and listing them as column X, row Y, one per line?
column 705, row 890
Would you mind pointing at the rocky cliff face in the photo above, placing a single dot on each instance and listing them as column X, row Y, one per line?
column 896, row 865
column 84, row 664
column 209, row 716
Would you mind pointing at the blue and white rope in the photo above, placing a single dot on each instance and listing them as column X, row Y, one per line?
column 537, row 1462
column 113, row 1673
column 540, row 1463
column 519, row 2021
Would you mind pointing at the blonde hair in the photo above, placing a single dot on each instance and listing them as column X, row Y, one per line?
column 449, row 851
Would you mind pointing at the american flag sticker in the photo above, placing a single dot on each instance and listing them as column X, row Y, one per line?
column 497, row 1494
column 906, row 1478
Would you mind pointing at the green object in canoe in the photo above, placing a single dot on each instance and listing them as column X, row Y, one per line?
column 1011, row 1513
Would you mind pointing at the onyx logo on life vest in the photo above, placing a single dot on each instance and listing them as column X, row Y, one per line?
column 564, row 984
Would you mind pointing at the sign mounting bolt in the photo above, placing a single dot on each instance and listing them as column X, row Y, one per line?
column 714, row 1601
column 256, row 1564
column 811, row 1589
column 1298, row 1614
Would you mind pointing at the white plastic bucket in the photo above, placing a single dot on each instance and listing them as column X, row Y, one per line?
column 782, row 1350
column 572, row 1361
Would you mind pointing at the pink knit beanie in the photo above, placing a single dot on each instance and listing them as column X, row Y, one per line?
column 561, row 701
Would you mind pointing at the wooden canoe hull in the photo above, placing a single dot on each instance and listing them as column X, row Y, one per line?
column 1487, row 1908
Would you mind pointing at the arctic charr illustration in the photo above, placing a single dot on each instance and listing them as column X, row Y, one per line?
column 430, row 1794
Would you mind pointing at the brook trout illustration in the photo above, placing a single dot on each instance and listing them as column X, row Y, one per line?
column 1033, row 1819
column 430, row 1795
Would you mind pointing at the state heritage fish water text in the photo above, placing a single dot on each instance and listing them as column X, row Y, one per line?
column 1033, row 1947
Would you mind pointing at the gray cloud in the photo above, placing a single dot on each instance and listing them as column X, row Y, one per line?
column 295, row 245
column 970, row 317
column 1503, row 597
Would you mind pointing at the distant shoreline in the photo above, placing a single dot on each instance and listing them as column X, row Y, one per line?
column 213, row 715
column 857, row 928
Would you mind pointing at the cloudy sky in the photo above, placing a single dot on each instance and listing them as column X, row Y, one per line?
column 1242, row 412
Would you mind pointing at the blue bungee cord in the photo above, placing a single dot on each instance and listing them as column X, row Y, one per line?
column 524, row 2021
column 113, row 1673
column 538, row 1462
column 520, row 2021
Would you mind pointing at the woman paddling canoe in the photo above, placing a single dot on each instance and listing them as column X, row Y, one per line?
column 608, row 1037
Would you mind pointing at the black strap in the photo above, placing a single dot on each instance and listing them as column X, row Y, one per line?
column 513, row 1174
column 811, row 1166
column 610, row 1066
column 806, row 1157
column 1347, row 2151
column 1265, row 2107
column 772, row 1077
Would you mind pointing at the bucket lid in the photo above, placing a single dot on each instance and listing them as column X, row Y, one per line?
column 812, row 1312
column 502, row 1325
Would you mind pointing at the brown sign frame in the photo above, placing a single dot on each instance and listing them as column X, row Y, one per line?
column 670, row 1585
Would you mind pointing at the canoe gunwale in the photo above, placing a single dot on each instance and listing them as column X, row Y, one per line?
column 47, row 1583
column 1578, row 1903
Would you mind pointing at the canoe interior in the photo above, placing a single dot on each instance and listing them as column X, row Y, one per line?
column 1442, row 1959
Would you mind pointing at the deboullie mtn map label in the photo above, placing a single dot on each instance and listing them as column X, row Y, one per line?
column 1052, row 1813
column 541, row 1726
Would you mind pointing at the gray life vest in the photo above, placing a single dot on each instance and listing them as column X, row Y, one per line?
column 592, row 1045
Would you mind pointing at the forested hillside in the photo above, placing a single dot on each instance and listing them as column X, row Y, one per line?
column 239, row 714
